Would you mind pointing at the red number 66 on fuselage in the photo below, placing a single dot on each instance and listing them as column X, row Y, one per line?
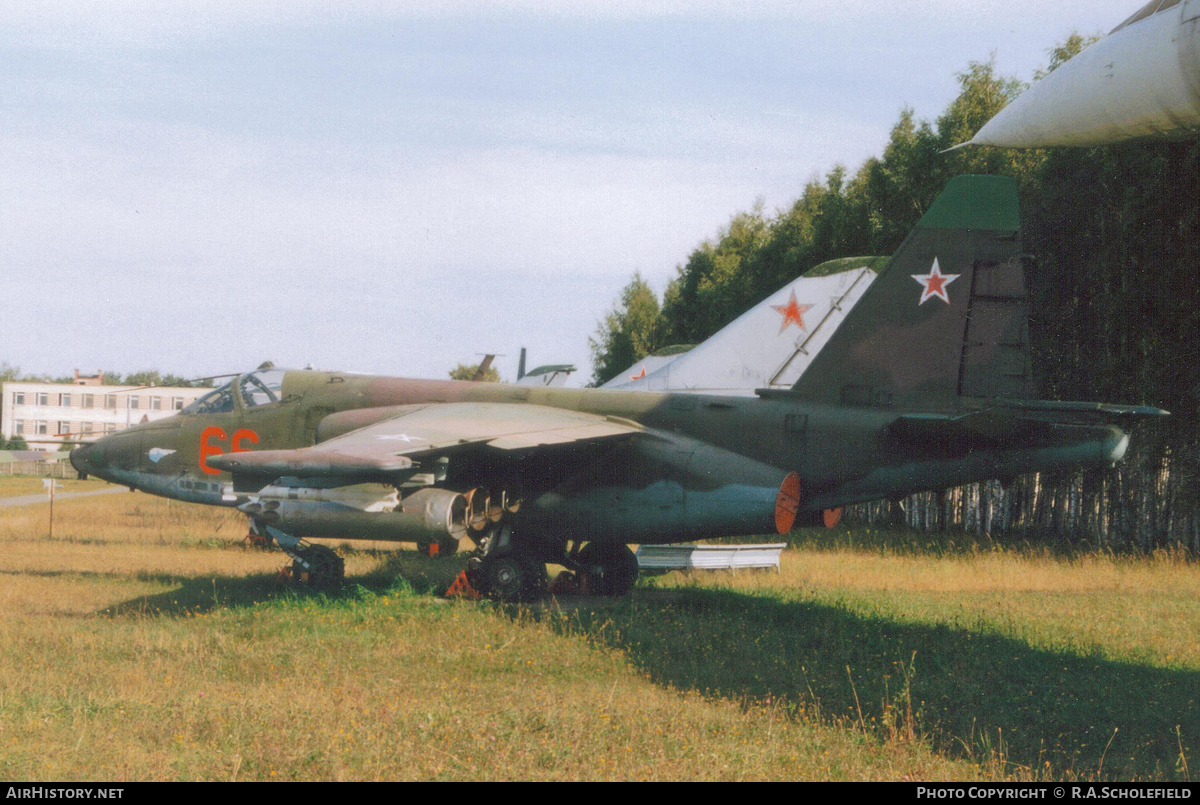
column 209, row 448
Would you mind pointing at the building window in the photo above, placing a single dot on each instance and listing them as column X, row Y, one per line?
column 88, row 427
column 109, row 427
column 19, row 425
column 134, row 401
column 156, row 403
column 89, row 400
column 177, row 403
column 41, row 428
column 43, row 398
column 18, row 398
column 64, row 400
column 64, row 428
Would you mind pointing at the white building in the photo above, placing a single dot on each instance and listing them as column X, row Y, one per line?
column 47, row 414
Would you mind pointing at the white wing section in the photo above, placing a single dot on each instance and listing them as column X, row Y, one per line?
column 768, row 346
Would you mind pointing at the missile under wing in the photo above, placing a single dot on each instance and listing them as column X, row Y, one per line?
column 1142, row 80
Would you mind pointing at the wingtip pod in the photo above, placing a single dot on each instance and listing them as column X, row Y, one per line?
column 974, row 201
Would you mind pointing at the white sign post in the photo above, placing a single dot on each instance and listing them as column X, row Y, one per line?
column 50, row 485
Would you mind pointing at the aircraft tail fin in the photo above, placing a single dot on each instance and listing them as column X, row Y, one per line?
column 946, row 318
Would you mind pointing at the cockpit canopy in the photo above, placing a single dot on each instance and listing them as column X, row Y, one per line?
column 262, row 387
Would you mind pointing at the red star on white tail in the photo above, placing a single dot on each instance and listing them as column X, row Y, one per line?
column 935, row 283
column 640, row 375
column 792, row 313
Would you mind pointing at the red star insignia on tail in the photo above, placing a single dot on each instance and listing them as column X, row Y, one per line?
column 935, row 283
column 640, row 375
column 792, row 313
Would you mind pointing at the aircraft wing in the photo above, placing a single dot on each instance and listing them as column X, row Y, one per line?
column 397, row 443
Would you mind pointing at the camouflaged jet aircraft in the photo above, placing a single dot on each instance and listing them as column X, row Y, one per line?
column 925, row 385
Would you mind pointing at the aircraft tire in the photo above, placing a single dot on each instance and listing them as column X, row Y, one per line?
column 514, row 578
column 617, row 564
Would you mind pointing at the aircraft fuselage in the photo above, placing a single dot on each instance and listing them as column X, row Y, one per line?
column 713, row 450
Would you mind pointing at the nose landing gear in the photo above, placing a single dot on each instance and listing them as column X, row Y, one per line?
column 314, row 567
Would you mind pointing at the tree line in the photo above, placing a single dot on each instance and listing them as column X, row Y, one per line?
column 1112, row 236
column 145, row 377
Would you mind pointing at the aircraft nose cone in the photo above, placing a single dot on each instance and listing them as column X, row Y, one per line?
column 79, row 460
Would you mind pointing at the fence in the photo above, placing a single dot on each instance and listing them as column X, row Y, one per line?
column 42, row 469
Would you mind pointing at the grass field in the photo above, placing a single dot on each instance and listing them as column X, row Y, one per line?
column 145, row 642
column 17, row 485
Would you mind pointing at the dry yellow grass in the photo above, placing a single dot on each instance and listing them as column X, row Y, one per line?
column 18, row 485
column 1123, row 607
column 144, row 642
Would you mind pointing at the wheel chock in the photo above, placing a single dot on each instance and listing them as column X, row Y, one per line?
column 434, row 549
column 253, row 540
column 461, row 588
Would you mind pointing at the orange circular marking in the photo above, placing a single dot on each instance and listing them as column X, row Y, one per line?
column 207, row 448
column 787, row 503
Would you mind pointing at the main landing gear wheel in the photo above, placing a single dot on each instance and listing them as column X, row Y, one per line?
column 614, row 567
column 319, row 568
column 510, row 578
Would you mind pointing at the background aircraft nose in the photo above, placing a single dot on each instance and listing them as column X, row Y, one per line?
column 79, row 460
column 82, row 458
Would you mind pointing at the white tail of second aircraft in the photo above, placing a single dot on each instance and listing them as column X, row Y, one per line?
column 768, row 346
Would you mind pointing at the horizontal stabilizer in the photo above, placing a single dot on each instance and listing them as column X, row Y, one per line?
column 1094, row 409
column 1032, row 422
column 959, row 434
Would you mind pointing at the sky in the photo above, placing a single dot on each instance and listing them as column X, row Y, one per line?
column 396, row 188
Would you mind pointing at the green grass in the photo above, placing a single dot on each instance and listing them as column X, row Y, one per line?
column 226, row 680
column 129, row 649
column 971, row 686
